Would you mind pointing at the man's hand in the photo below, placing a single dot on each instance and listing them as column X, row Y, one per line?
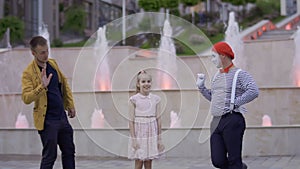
column 71, row 113
column 200, row 80
column 45, row 79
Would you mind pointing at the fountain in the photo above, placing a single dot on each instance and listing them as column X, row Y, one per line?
column 5, row 42
column 232, row 37
column 97, row 119
column 266, row 121
column 296, row 61
column 8, row 39
column 22, row 121
column 175, row 120
column 43, row 31
column 167, row 64
column 111, row 140
column 102, row 81
column 9, row 89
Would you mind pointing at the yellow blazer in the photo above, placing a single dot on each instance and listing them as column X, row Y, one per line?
column 33, row 91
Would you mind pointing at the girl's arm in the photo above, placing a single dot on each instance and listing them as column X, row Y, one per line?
column 158, row 118
column 131, row 119
column 160, row 145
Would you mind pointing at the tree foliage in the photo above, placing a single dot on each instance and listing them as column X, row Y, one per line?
column 190, row 2
column 239, row 2
column 268, row 6
column 15, row 25
column 251, row 1
column 75, row 19
column 150, row 5
column 169, row 4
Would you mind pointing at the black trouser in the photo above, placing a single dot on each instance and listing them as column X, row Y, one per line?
column 57, row 132
column 226, row 140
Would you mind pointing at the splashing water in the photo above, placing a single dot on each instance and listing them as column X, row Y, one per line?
column 175, row 120
column 97, row 119
column 8, row 45
column 43, row 31
column 266, row 121
column 10, row 87
column 102, row 81
column 232, row 37
column 5, row 41
column 22, row 121
column 167, row 64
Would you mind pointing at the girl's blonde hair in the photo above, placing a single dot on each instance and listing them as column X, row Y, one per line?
column 138, row 77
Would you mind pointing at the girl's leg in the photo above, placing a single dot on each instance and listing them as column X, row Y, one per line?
column 148, row 164
column 138, row 164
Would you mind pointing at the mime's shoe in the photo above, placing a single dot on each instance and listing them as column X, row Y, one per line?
column 245, row 166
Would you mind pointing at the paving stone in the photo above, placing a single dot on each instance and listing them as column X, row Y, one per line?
column 265, row 162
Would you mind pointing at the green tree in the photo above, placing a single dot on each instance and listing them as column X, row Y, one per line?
column 169, row 4
column 268, row 6
column 150, row 5
column 172, row 5
column 190, row 2
column 75, row 19
column 15, row 25
column 239, row 2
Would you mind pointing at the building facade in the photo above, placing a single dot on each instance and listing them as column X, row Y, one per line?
column 51, row 13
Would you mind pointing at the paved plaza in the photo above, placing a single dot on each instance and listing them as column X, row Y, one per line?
column 32, row 162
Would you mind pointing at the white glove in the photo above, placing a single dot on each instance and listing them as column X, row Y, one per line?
column 200, row 80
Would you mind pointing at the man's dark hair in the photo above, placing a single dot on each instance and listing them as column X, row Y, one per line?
column 37, row 40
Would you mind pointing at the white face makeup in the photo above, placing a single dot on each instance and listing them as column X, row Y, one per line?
column 216, row 59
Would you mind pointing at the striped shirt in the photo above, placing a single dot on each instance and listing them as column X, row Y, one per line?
column 220, row 92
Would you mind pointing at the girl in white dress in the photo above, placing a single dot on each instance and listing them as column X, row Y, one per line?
column 145, row 142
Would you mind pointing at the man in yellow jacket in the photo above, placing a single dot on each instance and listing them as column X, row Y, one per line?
column 44, row 84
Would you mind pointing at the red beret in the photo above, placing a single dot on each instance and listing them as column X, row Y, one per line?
column 224, row 49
